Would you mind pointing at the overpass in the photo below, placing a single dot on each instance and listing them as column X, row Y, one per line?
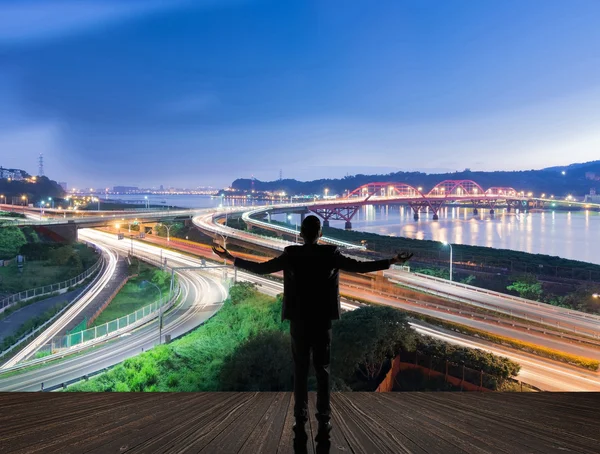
column 64, row 228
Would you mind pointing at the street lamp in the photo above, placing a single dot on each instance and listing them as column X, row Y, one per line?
column 326, row 191
column 595, row 295
column 296, row 226
column 41, row 208
column 51, row 200
column 25, row 201
column 160, row 320
column 147, row 203
column 445, row 243
column 168, row 227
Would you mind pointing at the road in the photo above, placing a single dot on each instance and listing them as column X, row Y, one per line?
column 203, row 293
column 539, row 312
column 202, row 297
column 59, row 325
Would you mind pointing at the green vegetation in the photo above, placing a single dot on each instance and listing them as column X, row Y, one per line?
column 45, row 264
column 528, row 287
column 11, row 240
column 134, row 295
column 365, row 340
column 246, row 347
column 31, row 325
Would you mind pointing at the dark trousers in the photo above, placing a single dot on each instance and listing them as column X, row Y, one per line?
column 307, row 336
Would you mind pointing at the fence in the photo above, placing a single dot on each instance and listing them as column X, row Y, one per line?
column 48, row 289
column 129, row 321
column 458, row 375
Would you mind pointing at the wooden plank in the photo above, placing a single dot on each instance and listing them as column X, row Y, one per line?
column 236, row 434
column 192, row 430
column 286, row 442
column 428, row 423
column 261, row 422
column 530, row 435
column 268, row 432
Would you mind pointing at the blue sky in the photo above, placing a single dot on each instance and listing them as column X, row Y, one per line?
column 190, row 93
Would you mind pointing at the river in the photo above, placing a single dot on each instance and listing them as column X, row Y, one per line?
column 573, row 235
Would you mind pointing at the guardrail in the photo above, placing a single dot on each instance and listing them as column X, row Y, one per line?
column 474, row 315
column 33, row 333
column 108, row 335
column 507, row 296
column 25, row 295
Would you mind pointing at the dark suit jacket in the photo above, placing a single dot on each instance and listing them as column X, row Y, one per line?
column 311, row 279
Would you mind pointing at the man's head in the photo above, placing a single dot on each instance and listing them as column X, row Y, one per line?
column 311, row 229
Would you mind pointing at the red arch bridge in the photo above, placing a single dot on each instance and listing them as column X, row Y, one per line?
column 448, row 191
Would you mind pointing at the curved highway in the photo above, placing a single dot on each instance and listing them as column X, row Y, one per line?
column 202, row 294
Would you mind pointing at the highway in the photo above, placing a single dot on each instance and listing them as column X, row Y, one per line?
column 59, row 325
column 202, row 293
column 539, row 312
column 555, row 317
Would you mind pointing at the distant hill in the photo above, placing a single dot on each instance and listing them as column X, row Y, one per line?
column 42, row 188
column 549, row 181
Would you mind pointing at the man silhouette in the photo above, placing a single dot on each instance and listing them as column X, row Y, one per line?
column 311, row 301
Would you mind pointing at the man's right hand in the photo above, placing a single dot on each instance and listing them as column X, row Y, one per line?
column 401, row 258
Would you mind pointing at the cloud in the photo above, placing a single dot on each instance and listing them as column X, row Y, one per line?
column 33, row 20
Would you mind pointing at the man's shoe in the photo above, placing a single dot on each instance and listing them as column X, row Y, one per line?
column 323, row 431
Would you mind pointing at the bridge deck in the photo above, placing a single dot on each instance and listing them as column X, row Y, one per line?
column 261, row 423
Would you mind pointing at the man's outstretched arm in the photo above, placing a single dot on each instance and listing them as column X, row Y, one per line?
column 270, row 266
column 355, row 266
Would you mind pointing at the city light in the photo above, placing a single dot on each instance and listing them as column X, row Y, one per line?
column 563, row 172
column 595, row 295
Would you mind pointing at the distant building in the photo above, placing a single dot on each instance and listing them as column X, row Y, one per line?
column 63, row 185
column 592, row 176
column 162, row 188
column 592, row 197
column 125, row 189
column 13, row 174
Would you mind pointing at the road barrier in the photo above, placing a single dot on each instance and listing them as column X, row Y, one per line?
column 60, row 287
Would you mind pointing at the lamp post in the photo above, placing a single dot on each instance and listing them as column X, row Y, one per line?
column 147, row 203
column 160, row 321
column 596, row 295
column 445, row 243
column 3, row 197
column 51, row 200
column 41, row 208
column 168, row 227
column 25, row 201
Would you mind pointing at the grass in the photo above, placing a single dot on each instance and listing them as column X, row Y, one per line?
column 193, row 362
column 40, row 273
column 133, row 297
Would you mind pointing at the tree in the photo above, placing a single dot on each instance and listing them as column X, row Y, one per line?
column 528, row 287
column 366, row 338
column 262, row 363
column 11, row 240
column 582, row 299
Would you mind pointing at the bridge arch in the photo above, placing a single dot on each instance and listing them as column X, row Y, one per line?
column 456, row 188
column 386, row 189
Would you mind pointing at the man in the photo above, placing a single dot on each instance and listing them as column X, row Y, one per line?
column 311, row 301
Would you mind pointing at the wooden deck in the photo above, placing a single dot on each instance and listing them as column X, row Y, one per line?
column 259, row 423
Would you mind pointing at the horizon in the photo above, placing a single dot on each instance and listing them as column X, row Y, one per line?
column 194, row 94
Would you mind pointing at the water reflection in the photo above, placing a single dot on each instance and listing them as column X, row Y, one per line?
column 570, row 235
